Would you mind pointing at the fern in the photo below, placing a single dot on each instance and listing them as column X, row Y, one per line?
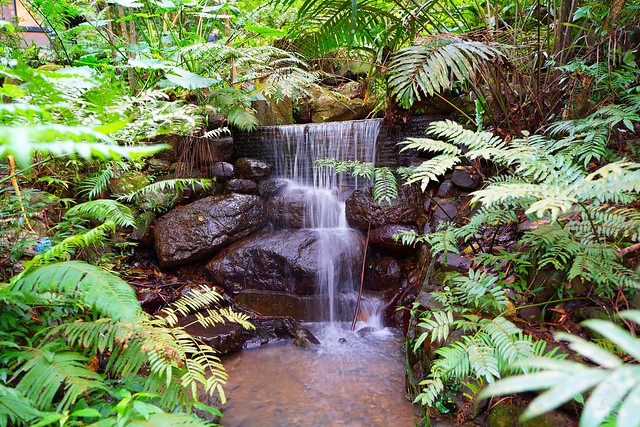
column 175, row 185
column 385, row 185
column 94, row 185
column 104, row 210
column 615, row 384
column 435, row 323
column 67, row 247
column 485, row 355
column 52, row 371
column 102, row 291
column 16, row 408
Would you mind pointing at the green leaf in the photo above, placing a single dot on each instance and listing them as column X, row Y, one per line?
column 189, row 80
column 266, row 31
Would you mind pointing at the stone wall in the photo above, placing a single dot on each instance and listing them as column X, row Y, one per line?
column 257, row 144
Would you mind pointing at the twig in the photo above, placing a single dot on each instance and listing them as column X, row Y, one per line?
column 364, row 263
column 628, row 250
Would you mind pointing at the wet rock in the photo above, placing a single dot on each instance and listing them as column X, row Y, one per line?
column 199, row 230
column 128, row 182
column 158, row 166
column 150, row 301
column 252, row 168
column 445, row 210
column 453, row 262
column 222, row 148
column 466, row 179
column 329, row 107
column 385, row 273
column 405, row 209
column 226, row 337
column 222, row 170
column 268, row 328
column 366, row 331
column 243, row 186
column 290, row 208
column 381, row 239
column 271, row 186
column 305, row 339
column 427, row 300
column 287, row 261
column 142, row 228
column 445, row 189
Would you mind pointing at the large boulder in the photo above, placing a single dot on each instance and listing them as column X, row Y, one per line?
column 404, row 209
column 288, row 261
column 200, row 229
column 381, row 239
column 303, row 207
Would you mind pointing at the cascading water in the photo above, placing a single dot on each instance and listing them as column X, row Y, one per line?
column 352, row 378
column 323, row 195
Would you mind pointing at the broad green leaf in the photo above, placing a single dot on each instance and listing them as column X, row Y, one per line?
column 189, row 80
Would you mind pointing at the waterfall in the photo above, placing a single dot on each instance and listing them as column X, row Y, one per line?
column 323, row 194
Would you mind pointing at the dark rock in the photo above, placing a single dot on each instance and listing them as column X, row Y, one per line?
column 268, row 187
column 385, row 274
column 366, row 331
column 453, row 262
column 156, row 166
column 252, row 168
column 268, row 328
column 464, row 178
column 199, row 230
column 445, row 211
column 287, row 261
column 142, row 228
column 303, row 308
column 226, row 337
column 291, row 207
column 381, row 238
column 305, row 339
column 150, row 301
column 222, row 148
column 128, row 182
column 427, row 300
column 445, row 189
column 405, row 209
column 244, row 186
column 222, row 170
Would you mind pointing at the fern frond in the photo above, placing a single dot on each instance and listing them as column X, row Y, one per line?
column 616, row 385
column 430, row 170
column 198, row 300
column 66, row 248
column 100, row 290
column 479, row 289
column 434, row 323
column 104, row 210
column 94, row 185
column 45, row 372
column 385, row 186
column 430, row 145
column 174, row 185
column 16, row 408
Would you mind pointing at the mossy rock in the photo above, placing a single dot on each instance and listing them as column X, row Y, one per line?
column 128, row 182
column 507, row 416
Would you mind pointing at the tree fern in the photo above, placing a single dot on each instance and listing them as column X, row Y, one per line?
column 615, row 384
column 433, row 66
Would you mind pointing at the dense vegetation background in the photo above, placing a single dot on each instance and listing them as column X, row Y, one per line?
column 547, row 102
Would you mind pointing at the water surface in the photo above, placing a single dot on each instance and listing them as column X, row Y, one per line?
column 359, row 382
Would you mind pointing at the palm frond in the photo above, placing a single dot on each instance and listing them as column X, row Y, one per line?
column 424, row 69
